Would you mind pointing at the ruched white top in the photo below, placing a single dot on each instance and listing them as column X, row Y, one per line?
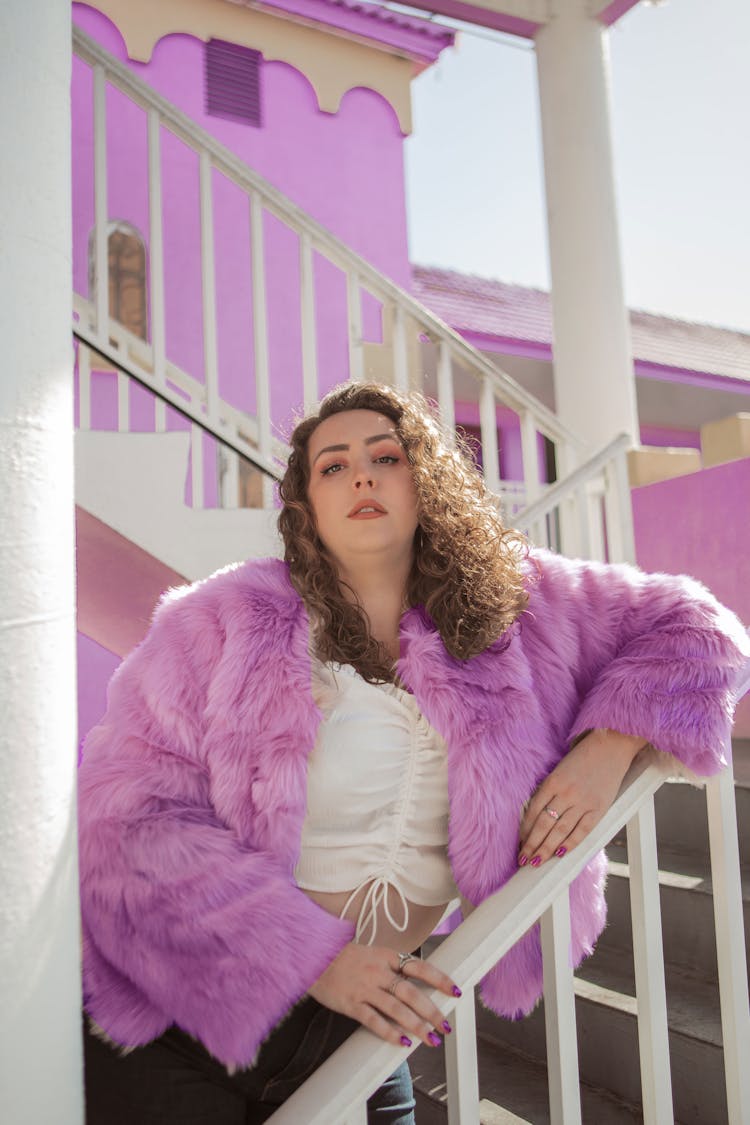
column 377, row 801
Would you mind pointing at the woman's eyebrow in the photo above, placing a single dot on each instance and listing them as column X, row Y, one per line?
column 343, row 448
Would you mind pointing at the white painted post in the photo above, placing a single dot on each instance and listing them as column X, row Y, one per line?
column 156, row 265
column 583, row 540
column 356, row 352
column 40, row 993
column 488, row 428
column 529, row 456
column 560, row 1014
column 446, row 399
column 84, row 387
column 123, row 403
column 196, row 464
column 307, row 305
column 461, row 1070
column 594, row 379
column 730, row 943
column 260, row 334
column 101, row 296
column 400, row 356
column 620, row 485
column 648, row 957
column 208, row 281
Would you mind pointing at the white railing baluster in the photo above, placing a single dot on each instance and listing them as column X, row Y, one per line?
column 84, row 387
column 400, row 353
column 583, row 529
column 208, row 288
column 529, row 456
column 260, row 335
column 446, row 400
column 101, row 296
column 626, row 531
column 488, row 428
column 648, row 957
column 461, row 1071
column 307, row 305
column 156, row 265
column 196, row 464
column 354, row 306
column 560, row 1014
column 123, row 403
column 730, row 943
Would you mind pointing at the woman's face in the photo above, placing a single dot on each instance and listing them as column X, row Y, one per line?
column 361, row 489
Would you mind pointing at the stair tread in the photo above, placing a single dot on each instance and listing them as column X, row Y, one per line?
column 513, row 1089
column 608, row 978
column 677, row 868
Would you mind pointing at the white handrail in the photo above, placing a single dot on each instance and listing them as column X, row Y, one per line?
column 342, row 1084
column 466, row 955
column 589, row 512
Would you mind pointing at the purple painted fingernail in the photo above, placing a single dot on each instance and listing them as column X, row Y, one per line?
column 456, row 990
column 447, row 1027
column 536, row 861
column 434, row 1038
column 405, row 1041
column 523, row 860
column 561, row 851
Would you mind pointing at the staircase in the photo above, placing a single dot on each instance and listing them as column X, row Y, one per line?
column 512, row 1056
column 382, row 329
column 162, row 482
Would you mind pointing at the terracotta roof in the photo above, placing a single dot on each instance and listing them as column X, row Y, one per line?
column 497, row 308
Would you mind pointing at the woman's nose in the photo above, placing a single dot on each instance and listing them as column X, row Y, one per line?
column 363, row 475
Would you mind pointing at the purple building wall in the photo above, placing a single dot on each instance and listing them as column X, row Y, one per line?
column 710, row 539
column 345, row 169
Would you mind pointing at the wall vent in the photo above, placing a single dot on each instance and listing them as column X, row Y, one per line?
column 232, row 82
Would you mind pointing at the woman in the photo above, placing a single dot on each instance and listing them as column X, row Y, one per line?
column 265, row 829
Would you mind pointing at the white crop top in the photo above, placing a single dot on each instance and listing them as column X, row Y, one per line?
column 377, row 800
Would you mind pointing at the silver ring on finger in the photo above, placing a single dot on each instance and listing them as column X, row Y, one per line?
column 394, row 985
column 403, row 959
column 552, row 812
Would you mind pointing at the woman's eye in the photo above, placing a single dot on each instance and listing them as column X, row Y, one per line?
column 387, row 459
column 331, row 469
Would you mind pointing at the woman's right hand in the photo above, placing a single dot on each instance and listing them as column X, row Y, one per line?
column 360, row 983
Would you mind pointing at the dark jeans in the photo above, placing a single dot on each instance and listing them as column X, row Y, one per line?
column 175, row 1081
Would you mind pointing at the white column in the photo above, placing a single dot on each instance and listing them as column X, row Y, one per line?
column 594, row 380
column 40, row 1022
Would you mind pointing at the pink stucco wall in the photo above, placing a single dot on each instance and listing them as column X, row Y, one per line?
column 95, row 667
column 344, row 169
column 699, row 524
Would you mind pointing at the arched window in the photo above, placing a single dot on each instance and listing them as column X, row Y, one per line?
column 128, row 303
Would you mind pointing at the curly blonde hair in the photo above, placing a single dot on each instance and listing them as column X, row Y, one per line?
column 467, row 565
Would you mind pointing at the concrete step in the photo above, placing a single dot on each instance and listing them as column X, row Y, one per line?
column 681, row 819
column 686, row 896
column 512, row 1088
column 606, row 1015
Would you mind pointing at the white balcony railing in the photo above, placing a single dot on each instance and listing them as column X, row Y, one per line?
column 336, row 1094
column 415, row 348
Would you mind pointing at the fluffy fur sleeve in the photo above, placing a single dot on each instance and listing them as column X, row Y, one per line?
column 182, row 922
column 652, row 655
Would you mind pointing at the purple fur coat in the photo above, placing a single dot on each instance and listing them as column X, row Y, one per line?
column 193, row 787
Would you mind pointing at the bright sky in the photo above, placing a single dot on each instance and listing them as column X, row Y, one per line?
column 680, row 109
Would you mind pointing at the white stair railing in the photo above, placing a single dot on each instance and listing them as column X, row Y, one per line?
column 588, row 514
column 420, row 350
column 337, row 1093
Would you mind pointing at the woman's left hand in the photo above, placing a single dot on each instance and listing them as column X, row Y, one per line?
column 579, row 790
